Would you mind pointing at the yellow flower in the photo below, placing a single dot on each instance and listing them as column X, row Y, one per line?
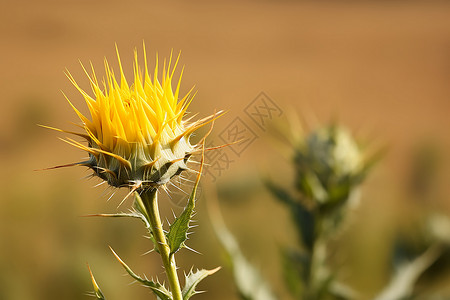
column 136, row 133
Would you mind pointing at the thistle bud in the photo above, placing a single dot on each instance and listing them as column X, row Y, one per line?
column 328, row 165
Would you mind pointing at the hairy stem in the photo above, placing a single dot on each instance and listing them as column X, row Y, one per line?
column 150, row 200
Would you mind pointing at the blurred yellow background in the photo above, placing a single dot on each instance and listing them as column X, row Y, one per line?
column 379, row 67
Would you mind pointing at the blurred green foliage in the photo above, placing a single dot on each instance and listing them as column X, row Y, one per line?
column 329, row 167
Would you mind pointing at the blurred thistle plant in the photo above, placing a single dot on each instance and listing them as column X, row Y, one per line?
column 329, row 166
column 414, row 252
column 137, row 139
column 420, row 253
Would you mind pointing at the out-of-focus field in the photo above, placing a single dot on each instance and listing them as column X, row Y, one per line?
column 380, row 67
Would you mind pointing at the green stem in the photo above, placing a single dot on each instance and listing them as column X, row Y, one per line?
column 318, row 272
column 150, row 199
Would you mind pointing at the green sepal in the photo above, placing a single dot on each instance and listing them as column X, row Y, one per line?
column 97, row 292
column 158, row 289
column 178, row 231
column 193, row 279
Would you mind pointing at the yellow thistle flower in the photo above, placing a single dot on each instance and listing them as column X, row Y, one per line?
column 136, row 133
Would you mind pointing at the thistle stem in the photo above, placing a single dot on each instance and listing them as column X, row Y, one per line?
column 150, row 200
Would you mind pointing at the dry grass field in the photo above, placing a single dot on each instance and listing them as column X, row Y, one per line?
column 381, row 68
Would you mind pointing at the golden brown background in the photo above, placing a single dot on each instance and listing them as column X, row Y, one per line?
column 380, row 67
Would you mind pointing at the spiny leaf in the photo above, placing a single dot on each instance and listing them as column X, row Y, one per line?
column 98, row 293
column 193, row 279
column 132, row 214
column 178, row 230
column 116, row 215
column 158, row 289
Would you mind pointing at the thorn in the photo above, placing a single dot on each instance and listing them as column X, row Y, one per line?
column 84, row 163
column 97, row 292
column 134, row 188
column 195, row 251
column 112, row 195
column 98, row 184
column 148, row 252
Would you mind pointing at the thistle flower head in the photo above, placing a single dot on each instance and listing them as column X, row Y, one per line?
column 135, row 134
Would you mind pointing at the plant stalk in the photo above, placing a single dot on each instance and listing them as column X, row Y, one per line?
column 150, row 200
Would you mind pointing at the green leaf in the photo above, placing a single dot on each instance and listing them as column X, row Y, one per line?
column 295, row 271
column 403, row 283
column 137, row 212
column 249, row 282
column 131, row 214
column 303, row 218
column 97, row 292
column 178, row 230
column 158, row 289
column 193, row 279
column 248, row 279
column 342, row 291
